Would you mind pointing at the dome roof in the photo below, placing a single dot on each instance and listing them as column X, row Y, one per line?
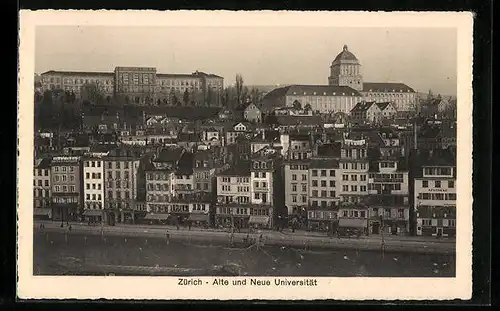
column 345, row 55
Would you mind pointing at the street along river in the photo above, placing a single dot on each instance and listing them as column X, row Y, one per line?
column 78, row 254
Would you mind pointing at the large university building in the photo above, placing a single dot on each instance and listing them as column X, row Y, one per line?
column 346, row 71
column 139, row 85
column 345, row 89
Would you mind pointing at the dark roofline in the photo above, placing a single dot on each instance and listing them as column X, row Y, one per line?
column 83, row 73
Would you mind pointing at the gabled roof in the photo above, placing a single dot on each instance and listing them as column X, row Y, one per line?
column 43, row 163
column 386, row 87
column 382, row 106
column 362, row 106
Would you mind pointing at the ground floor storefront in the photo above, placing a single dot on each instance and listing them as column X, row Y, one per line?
column 322, row 225
column 436, row 231
column 42, row 213
column 114, row 216
column 65, row 212
column 393, row 227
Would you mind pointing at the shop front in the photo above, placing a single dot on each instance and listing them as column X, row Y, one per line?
column 65, row 212
column 157, row 218
column 353, row 225
column 93, row 216
column 42, row 213
column 199, row 220
column 259, row 222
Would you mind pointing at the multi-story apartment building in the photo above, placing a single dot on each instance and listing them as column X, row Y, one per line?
column 353, row 185
column 296, row 184
column 353, row 171
column 299, row 147
column 121, row 180
column 435, row 198
column 93, row 187
column 233, row 196
column 159, row 191
column 66, row 175
column 323, row 193
column 388, row 197
column 266, row 189
column 42, row 191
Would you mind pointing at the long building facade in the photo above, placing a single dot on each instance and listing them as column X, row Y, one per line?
column 140, row 85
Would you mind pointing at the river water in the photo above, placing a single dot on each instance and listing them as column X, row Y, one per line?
column 55, row 254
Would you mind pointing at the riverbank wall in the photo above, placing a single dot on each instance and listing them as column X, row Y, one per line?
column 269, row 238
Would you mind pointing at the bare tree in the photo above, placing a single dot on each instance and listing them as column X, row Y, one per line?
column 239, row 88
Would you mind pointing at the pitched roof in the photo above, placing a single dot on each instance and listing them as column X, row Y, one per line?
column 169, row 154
column 362, row 106
column 322, row 90
column 386, row 87
column 382, row 106
column 240, row 169
column 43, row 163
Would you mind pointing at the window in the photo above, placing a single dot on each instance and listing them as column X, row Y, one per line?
column 362, row 214
column 345, row 177
column 99, row 195
column 323, row 193
column 98, row 186
column 323, row 183
column 117, row 164
column 354, row 188
column 294, row 177
column 345, row 188
column 257, row 196
column 451, row 184
column 88, row 196
column 437, row 184
column 304, row 177
column 110, row 165
column 98, row 164
column 65, row 188
column 314, row 173
column 362, row 177
column 354, row 177
column 64, row 177
column 64, row 168
column 87, row 186
column 332, row 173
column 294, row 187
column 314, row 183
column 425, row 184
column 57, row 189
column 294, row 198
column 46, row 183
column 323, row 173
column 315, row 193
column 362, row 188
column 87, row 175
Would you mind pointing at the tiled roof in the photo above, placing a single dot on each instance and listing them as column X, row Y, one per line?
column 325, row 90
column 241, row 169
column 324, row 163
column 382, row 106
column 362, row 106
column 298, row 120
column 329, row 150
column 386, row 87
column 77, row 73
column 169, row 154
column 43, row 163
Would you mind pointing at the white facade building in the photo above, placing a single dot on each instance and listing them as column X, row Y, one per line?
column 93, row 183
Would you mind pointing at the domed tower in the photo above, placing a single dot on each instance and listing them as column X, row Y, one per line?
column 346, row 71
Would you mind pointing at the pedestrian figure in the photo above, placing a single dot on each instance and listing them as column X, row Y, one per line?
column 69, row 228
column 177, row 225
column 189, row 225
column 62, row 224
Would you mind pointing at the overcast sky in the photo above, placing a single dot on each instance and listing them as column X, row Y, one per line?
column 422, row 58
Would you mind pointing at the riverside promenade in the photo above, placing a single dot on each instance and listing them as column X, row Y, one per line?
column 298, row 239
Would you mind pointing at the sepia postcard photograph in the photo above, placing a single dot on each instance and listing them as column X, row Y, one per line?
column 245, row 155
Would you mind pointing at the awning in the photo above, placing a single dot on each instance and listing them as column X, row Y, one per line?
column 198, row 217
column 157, row 216
column 259, row 220
column 91, row 212
column 42, row 212
column 352, row 223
